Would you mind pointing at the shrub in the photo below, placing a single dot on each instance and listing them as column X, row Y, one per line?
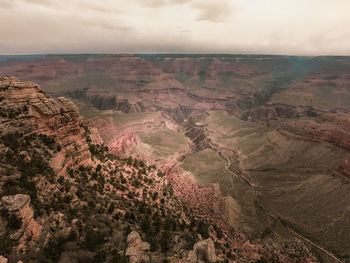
column 6, row 245
column 99, row 257
column 165, row 241
column 54, row 248
column 218, row 231
column 14, row 222
column 4, row 213
column 155, row 196
column 93, row 239
column 10, row 140
column 119, row 258
column 202, row 229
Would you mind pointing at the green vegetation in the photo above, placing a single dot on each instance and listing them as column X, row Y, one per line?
column 121, row 119
column 14, row 222
column 164, row 141
column 13, row 113
column 30, row 169
column 206, row 165
column 6, row 246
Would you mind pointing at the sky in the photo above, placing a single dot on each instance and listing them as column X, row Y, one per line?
column 298, row 27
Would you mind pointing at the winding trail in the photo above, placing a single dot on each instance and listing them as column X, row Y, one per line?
column 330, row 254
column 215, row 147
column 316, row 246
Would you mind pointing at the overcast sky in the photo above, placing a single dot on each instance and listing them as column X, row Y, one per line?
column 295, row 27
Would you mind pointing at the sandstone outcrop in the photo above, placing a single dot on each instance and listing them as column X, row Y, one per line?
column 136, row 248
column 124, row 143
column 20, row 205
column 203, row 252
column 15, row 203
column 42, row 115
column 119, row 142
column 106, row 129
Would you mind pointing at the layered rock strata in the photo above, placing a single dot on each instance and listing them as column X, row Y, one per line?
column 58, row 119
column 20, row 206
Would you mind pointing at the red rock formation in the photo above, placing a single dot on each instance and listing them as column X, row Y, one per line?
column 333, row 128
column 338, row 78
column 105, row 128
column 119, row 142
column 46, row 68
column 207, row 198
column 20, row 205
column 58, row 119
column 122, row 144
column 238, row 68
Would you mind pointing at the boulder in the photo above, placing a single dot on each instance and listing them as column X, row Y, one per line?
column 136, row 248
column 3, row 259
column 20, row 205
column 133, row 239
column 15, row 203
column 203, row 251
column 133, row 254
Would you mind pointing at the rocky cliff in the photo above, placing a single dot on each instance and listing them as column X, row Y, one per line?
column 30, row 230
column 25, row 103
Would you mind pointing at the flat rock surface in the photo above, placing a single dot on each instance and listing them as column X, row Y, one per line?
column 15, row 202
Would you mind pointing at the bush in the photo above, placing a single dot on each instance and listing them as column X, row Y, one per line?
column 155, row 196
column 244, row 116
column 54, row 248
column 6, row 245
column 99, row 257
column 10, row 140
column 165, row 241
column 119, row 258
column 14, row 222
column 218, row 231
column 4, row 213
column 202, row 229
column 58, row 148
column 93, row 239
column 48, row 141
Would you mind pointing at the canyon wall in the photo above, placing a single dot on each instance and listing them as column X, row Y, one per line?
column 58, row 119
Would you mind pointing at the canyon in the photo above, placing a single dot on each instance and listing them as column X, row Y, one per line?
column 259, row 144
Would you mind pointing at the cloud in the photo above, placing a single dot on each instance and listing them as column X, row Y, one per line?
column 38, row 2
column 90, row 5
column 107, row 25
column 299, row 27
column 161, row 3
column 213, row 11
column 100, row 7
column 7, row 4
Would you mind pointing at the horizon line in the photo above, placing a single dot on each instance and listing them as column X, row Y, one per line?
column 169, row 54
